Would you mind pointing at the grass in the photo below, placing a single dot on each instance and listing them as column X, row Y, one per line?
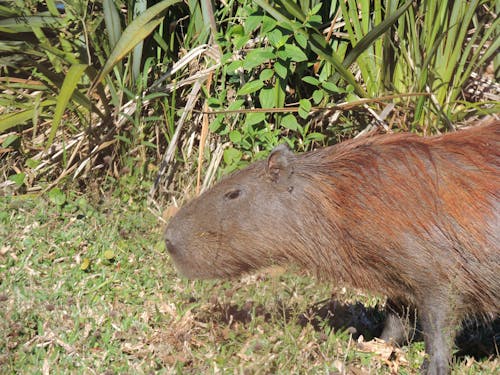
column 87, row 86
column 87, row 287
column 85, row 283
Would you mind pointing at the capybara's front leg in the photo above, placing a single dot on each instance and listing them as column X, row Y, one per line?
column 439, row 325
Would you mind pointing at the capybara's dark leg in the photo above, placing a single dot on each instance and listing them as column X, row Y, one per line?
column 439, row 325
column 400, row 322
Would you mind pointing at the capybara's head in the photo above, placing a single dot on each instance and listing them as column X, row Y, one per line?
column 243, row 223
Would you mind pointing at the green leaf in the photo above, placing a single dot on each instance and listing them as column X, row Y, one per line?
column 254, row 118
column 112, row 22
column 276, row 38
column 234, row 66
column 330, row 86
column 294, row 53
column 235, row 136
column 377, row 31
column 267, row 98
column 290, row 122
column 9, row 140
column 216, row 124
column 258, row 57
column 304, row 108
column 315, row 137
column 318, row 96
column 140, row 7
column 214, row 102
column 32, row 163
column 136, row 32
column 70, row 81
column 266, row 74
column 251, row 23
column 319, row 46
column 236, row 104
column 10, row 120
column 240, row 41
column 250, row 87
column 316, row 8
column 123, row 139
column 26, row 24
column 231, row 156
column 311, row 80
column 235, row 30
column 57, row 196
column 51, row 6
column 268, row 24
column 294, row 9
column 301, row 39
column 280, row 70
column 18, row 178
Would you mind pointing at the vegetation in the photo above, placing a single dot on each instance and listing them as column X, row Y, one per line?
column 105, row 89
column 100, row 98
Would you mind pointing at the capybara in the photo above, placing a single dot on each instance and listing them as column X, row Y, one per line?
column 414, row 218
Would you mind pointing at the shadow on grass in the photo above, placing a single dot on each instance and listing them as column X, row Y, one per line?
column 479, row 340
column 476, row 339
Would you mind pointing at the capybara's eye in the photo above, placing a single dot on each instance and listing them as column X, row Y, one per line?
column 233, row 194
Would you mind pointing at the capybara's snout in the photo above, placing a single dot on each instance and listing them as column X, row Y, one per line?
column 172, row 244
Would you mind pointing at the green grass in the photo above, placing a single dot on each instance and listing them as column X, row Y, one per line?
column 128, row 312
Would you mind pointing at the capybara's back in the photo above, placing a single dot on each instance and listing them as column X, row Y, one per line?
column 414, row 218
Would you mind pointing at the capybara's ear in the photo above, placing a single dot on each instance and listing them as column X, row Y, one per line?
column 279, row 162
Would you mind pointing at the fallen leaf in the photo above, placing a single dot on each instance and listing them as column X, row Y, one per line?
column 85, row 264
column 4, row 250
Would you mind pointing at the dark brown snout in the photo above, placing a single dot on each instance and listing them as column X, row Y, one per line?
column 172, row 243
column 170, row 246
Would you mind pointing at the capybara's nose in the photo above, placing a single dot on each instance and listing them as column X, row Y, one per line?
column 169, row 242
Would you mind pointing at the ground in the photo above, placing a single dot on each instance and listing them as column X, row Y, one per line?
column 86, row 286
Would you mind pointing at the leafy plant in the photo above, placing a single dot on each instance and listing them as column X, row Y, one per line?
column 51, row 52
column 127, row 89
column 279, row 69
column 438, row 57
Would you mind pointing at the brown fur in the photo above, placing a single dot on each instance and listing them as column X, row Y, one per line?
column 414, row 218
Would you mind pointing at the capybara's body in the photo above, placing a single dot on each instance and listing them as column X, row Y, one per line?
column 414, row 218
